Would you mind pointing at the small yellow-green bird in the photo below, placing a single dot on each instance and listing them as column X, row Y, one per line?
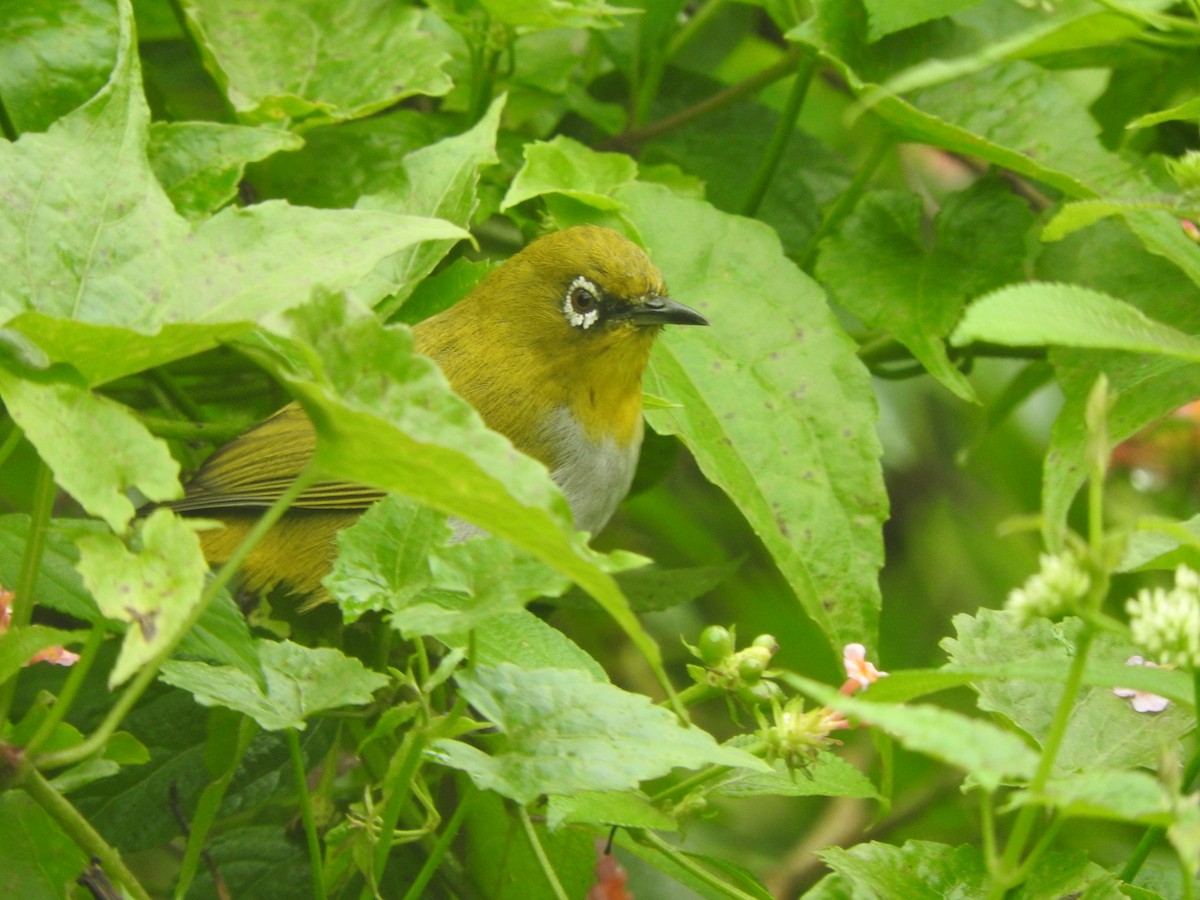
column 549, row 348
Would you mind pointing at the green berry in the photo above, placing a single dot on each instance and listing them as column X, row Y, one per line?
column 716, row 644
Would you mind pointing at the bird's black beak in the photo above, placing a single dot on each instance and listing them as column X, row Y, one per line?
column 664, row 311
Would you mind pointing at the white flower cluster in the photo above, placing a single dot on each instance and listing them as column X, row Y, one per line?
column 1053, row 590
column 1167, row 623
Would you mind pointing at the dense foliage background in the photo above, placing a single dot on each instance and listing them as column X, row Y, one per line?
column 948, row 254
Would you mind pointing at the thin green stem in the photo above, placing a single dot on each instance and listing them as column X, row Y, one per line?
column 540, row 853
column 987, row 828
column 695, row 694
column 686, row 862
column 700, row 778
column 214, row 432
column 717, row 101
column 306, row 813
column 399, row 779
column 438, row 851
column 178, row 397
column 695, row 24
column 62, row 704
column 842, row 207
column 80, row 830
column 782, row 136
column 25, row 596
column 1027, row 817
column 146, row 675
column 11, row 443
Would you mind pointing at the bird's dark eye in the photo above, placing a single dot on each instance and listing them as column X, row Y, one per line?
column 581, row 305
column 582, row 300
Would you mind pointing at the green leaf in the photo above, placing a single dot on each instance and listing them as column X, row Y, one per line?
column 567, row 167
column 524, row 640
column 95, row 447
column 279, row 61
column 1074, row 216
column 705, row 876
column 1118, row 794
column 773, row 404
column 540, row 15
column 152, row 590
column 199, row 164
column 889, row 270
column 827, row 776
column 398, row 558
column 1103, row 730
column 103, row 353
column 1162, row 545
column 222, row 636
column 564, row 732
column 87, row 233
column 439, row 181
column 340, row 163
column 1071, row 316
column 629, row 809
column 36, row 858
column 256, row 859
column 1189, row 109
column 59, row 586
column 886, row 17
column 498, row 853
column 300, row 681
column 383, row 558
column 53, row 57
column 652, row 588
column 927, row 870
column 81, row 201
column 1145, row 387
column 992, row 756
column 388, row 418
column 249, row 263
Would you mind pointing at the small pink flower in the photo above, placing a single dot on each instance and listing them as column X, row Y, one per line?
column 56, row 656
column 1190, row 229
column 860, row 673
column 6, row 599
column 1143, row 701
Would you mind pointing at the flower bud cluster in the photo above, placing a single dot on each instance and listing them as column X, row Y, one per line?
column 744, row 672
column 1053, row 591
column 1167, row 622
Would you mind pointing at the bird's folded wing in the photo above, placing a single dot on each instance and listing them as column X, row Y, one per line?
column 253, row 470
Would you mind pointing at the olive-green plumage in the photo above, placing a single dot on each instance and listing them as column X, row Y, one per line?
column 549, row 348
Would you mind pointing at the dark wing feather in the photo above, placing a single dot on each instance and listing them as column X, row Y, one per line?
column 252, row 471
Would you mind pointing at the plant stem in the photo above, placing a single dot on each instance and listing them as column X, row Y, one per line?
column 438, row 851
column 66, row 697
column 540, row 852
column 214, row 432
column 146, row 675
column 685, row 862
column 399, row 780
column 24, row 592
column 306, row 813
column 175, row 394
column 842, row 207
column 1027, row 817
column 721, row 99
column 79, row 829
column 10, row 443
column 782, row 136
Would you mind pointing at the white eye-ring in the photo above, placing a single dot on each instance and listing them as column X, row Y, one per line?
column 581, row 305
